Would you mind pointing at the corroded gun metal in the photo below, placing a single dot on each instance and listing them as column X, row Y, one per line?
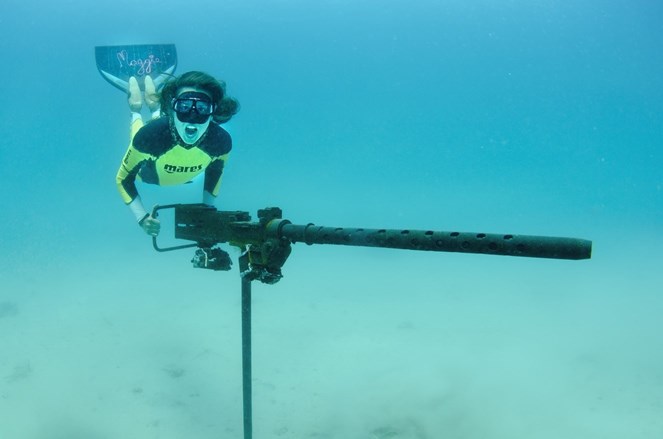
column 268, row 240
column 266, row 245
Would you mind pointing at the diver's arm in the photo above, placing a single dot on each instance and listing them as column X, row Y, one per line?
column 213, row 174
column 126, row 185
column 208, row 198
column 126, row 176
column 131, row 163
column 126, row 181
column 137, row 208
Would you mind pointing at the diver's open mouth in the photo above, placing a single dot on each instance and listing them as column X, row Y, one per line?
column 190, row 130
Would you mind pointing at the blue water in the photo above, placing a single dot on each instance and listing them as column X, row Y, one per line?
column 541, row 117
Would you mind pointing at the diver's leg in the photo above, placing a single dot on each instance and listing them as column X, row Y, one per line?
column 152, row 98
column 135, row 98
column 135, row 105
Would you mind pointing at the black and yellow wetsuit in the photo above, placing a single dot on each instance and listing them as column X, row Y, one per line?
column 155, row 157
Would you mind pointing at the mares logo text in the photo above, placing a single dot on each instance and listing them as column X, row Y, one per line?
column 172, row 169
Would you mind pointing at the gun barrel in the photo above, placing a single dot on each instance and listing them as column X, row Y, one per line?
column 207, row 226
column 426, row 240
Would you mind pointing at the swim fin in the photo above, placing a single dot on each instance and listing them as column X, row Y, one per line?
column 119, row 63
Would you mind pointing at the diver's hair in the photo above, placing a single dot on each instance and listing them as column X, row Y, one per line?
column 225, row 107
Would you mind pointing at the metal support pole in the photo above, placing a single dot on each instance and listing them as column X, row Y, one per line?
column 246, row 346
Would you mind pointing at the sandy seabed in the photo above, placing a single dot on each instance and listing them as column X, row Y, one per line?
column 392, row 349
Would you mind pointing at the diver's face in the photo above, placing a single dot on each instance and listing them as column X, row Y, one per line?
column 193, row 110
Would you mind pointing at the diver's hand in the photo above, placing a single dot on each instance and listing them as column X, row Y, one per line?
column 151, row 225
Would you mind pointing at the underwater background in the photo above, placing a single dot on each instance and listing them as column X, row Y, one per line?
column 528, row 117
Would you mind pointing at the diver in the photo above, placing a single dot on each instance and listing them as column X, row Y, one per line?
column 183, row 139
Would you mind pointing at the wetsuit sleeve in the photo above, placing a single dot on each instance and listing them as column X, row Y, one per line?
column 213, row 174
column 131, row 164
